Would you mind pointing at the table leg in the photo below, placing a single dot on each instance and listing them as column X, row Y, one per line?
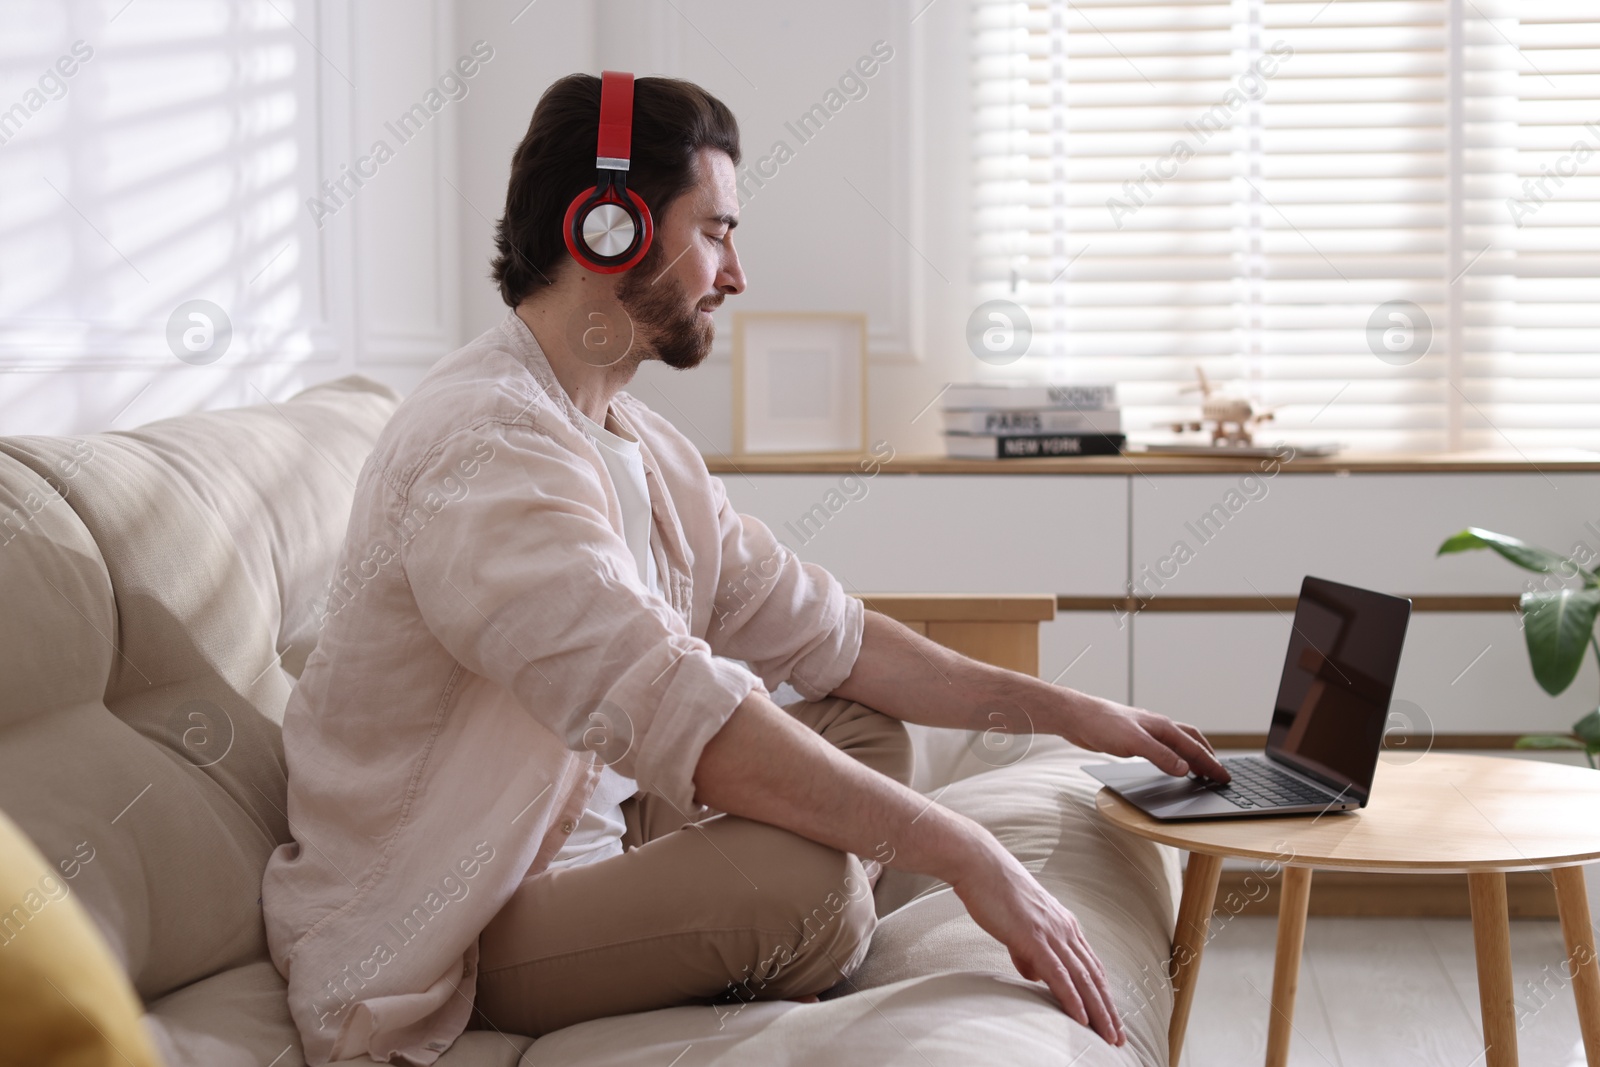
column 1572, row 903
column 1491, row 935
column 1292, row 908
column 1189, row 941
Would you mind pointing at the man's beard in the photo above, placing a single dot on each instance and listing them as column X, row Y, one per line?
column 663, row 318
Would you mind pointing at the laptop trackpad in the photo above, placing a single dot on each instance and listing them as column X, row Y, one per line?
column 1166, row 797
column 1162, row 789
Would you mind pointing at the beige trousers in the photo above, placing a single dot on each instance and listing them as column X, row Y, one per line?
column 721, row 911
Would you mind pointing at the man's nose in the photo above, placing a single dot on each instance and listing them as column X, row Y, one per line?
column 730, row 279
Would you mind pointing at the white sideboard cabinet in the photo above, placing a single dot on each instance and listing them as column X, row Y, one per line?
column 1175, row 579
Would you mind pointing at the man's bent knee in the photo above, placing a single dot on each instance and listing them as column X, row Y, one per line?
column 836, row 932
column 826, row 902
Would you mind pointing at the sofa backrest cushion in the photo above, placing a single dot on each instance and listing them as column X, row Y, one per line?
column 57, row 622
column 194, row 550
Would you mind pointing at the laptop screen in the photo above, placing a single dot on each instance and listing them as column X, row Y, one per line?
column 1338, row 676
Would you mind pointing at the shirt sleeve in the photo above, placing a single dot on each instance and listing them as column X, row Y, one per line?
column 790, row 621
column 520, row 576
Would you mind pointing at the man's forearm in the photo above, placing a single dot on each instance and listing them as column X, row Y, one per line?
column 902, row 673
column 764, row 765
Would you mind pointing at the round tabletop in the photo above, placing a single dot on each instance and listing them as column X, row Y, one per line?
column 1437, row 812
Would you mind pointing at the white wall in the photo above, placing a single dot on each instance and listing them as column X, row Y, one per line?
column 549, row 39
column 178, row 162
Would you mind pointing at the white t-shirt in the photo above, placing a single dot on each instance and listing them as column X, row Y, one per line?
column 598, row 834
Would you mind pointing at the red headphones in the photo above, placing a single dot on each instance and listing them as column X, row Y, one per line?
column 608, row 227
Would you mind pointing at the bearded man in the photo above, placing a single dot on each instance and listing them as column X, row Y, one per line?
column 535, row 772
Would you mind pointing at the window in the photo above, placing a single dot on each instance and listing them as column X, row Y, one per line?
column 1379, row 219
column 152, row 159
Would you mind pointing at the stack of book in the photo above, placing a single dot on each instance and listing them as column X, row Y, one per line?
column 1006, row 420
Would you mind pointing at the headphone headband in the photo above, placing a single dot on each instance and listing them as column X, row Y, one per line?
column 616, row 121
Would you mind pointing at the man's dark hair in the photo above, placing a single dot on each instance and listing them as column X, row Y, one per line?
column 672, row 120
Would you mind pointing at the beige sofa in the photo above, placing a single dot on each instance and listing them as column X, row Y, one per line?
column 160, row 589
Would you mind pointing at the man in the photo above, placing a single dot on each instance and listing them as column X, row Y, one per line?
column 535, row 774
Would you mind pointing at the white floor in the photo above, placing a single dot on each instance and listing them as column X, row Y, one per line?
column 1376, row 992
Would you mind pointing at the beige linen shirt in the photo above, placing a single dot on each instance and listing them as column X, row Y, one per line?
column 487, row 648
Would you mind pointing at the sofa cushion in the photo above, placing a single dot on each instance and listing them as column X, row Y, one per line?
column 164, row 755
column 170, row 866
column 82, row 784
column 279, row 477
column 58, row 632
column 240, row 1018
column 940, row 1020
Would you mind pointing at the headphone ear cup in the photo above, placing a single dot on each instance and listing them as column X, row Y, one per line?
column 646, row 224
column 571, row 228
column 607, row 233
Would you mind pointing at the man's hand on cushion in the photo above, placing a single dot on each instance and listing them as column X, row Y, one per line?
column 1045, row 941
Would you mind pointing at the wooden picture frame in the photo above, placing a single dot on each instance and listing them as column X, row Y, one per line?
column 799, row 383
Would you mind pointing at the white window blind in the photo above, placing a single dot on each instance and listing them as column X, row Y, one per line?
column 170, row 165
column 1258, row 187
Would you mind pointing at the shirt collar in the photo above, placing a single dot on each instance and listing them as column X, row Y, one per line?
column 626, row 442
column 526, row 348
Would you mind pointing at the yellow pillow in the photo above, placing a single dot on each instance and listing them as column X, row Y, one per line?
column 64, row 999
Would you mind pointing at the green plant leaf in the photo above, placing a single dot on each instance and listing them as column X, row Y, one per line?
column 1558, row 626
column 1588, row 728
column 1524, row 555
column 1547, row 741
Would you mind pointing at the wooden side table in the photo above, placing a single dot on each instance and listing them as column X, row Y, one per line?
column 1478, row 815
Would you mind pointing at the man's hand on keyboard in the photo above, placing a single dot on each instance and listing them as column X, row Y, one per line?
column 1105, row 726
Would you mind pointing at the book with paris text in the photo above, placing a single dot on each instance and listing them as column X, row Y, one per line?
column 1035, row 421
column 1011, row 396
column 1023, row 446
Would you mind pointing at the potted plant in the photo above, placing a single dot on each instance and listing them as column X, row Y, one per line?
column 1558, row 622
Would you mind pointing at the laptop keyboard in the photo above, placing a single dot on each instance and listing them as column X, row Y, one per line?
column 1258, row 784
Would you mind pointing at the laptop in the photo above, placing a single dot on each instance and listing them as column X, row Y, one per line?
column 1327, row 724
